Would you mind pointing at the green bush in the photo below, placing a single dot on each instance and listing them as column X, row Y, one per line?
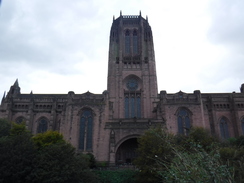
column 198, row 136
column 48, row 138
column 91, row 160
column 116, row 176
column 43, row 158
column 154, row 144
column 17, row 154
column 234, row 157
column 102, row 164
column 193, row 158
column 198, row 166
column 240, row 141
column 5, row 127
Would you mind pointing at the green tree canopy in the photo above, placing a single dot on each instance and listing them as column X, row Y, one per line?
column 17, row 153
column 43, row 158
column 5, row 127
column 48, row 138
column 153, row 145
column 164, row 157
column 57, row 161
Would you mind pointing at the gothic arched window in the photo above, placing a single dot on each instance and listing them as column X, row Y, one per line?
column 86, row 123
column 242, row 125
column 20, row 120
column 127, row 42
column 132, row 105
column 126, row 106
column 183, row 119
column 132, row 100
column 42, row 125
column 135, row 42
column 223, row 125
column 138, row 105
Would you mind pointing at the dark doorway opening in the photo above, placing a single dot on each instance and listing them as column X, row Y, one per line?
column 126, row 152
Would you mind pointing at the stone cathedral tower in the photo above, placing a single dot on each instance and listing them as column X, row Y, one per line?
column 132, row 84
column 132, row 79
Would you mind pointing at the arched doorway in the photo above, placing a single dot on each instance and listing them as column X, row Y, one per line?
column 126, row 152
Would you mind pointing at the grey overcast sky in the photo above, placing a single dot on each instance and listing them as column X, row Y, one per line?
column 58, row 46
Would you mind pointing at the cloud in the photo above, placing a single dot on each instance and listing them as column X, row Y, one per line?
column 56, row 46
column 226, row 33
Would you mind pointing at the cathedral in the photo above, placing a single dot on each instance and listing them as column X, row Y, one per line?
column 109, row 124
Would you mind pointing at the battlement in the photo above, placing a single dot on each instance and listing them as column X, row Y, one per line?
column 130, row 16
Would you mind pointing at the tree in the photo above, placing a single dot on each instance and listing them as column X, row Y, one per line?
column 57, row 161
column 116, row 176
column 17, row 153
column 48, row 138
column 196, row 165
column 5, row 127
column 164, row 157
column 153, row 145
column 202, row 137
column 234, row 157
column 92, row 160
column 43, row 158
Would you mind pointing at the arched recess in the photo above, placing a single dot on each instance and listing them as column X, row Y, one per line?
column 86, row 129
column 223, row 127
column 126, row 150
column 42, row 125
column 135, row 42
column 184, row 120
column 20, row 119
column 127, row 42
column 136, row 81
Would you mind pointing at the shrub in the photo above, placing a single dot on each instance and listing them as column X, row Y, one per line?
column 116, row 176
column 5, row 127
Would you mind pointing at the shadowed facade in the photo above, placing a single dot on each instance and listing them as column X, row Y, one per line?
column 109, row 124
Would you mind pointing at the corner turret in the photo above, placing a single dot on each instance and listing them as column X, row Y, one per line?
column 242, row 88
column 14, row 90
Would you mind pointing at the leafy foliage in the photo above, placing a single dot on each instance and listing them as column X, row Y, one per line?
column 18, row 129
column 202, row 137
column 48, row 138
column 91, row 160
column 239, row 141
column 17, row 153
column 43, row 158
column 234, row 156
column 153, row 145
column 193, row 158
column 58, row 163
column 5, row 127
column 119, row 176
column 198, row 166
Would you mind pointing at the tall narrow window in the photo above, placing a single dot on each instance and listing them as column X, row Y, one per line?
column 242, row 125
column 42, row 125
column 132, row 100
column 223, row 125
column 183, row 122
column 86, row 124
column 138, row 102
column 132, row 105
column 126, row 106
column 135, row 43
column 127, row 42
